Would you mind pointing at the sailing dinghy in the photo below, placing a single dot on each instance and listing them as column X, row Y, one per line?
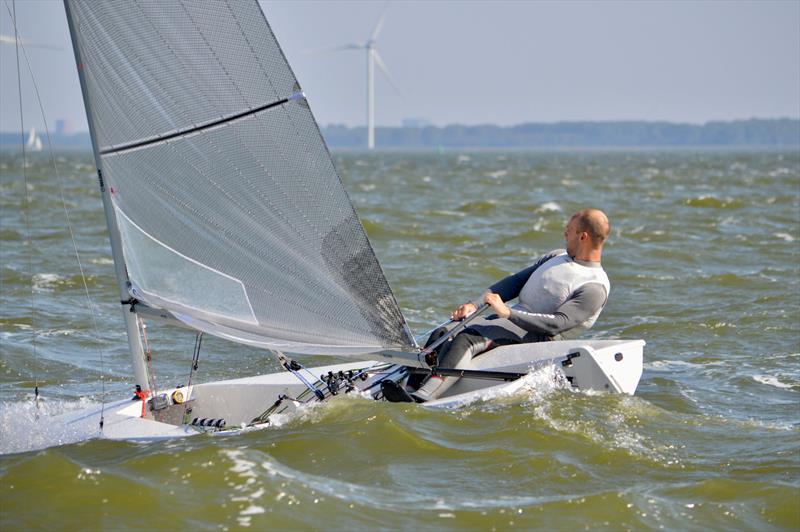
column 226, row 215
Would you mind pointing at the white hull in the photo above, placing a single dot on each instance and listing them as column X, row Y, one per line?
column 602, row 365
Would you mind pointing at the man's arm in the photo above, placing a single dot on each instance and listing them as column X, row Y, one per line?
column 581, row 306
column 510, row 287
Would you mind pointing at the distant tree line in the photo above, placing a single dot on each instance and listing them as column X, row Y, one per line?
column 755, row 132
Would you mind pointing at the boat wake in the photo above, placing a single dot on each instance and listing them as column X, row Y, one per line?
column 29, row 427
column 535, row 386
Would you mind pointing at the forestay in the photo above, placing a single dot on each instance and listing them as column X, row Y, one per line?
column 231, row 213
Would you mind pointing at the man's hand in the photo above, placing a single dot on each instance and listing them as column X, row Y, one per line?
column 463, row 311
column 500, row 308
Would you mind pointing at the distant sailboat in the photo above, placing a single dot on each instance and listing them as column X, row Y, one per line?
column 226, row 214
column 34, row 142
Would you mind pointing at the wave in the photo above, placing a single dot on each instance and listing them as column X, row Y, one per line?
column 550, row 206
column 478, row 206
column 707, row 201
column 774, row 381
column 497, row 174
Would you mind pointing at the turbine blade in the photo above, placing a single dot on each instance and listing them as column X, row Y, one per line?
column 8, row 39
column 379, row 25
column 382, row 66
column 351, row 46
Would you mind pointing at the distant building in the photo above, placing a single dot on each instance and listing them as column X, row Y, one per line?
column 64, row 126
column 416, row 122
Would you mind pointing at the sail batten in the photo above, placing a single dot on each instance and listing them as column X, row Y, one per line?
column 231, row 213
column 188, row 131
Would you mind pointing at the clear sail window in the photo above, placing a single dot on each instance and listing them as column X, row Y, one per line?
column 161, row 273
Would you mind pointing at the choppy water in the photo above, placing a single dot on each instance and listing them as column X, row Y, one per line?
column 704, row 266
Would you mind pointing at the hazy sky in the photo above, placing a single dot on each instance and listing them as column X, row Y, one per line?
column 492, row 62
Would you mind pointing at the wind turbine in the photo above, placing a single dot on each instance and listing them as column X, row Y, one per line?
column 373, row 58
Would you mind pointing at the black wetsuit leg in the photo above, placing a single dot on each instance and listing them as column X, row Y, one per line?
column 455, row 354
column 467, row 344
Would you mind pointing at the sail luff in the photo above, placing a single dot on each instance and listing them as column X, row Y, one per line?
column 129, row 316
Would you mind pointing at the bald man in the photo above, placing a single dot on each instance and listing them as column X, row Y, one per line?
column 560, row 295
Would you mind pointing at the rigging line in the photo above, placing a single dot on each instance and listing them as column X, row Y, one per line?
column 60, row 180
column 198, row 341
column 148, row 353
column 27, row 209
column 294, row 368
column 201, row 127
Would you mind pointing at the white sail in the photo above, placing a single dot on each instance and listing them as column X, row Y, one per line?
column 231, row 213
column 34, row 142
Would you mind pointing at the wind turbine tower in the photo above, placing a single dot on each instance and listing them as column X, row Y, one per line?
column 373, row 58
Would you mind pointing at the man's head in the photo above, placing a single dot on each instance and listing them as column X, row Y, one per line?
column 586, row 232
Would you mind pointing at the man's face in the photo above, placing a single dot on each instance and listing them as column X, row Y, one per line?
column 572, row 237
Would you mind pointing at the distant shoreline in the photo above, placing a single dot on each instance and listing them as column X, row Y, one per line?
column 621, row 135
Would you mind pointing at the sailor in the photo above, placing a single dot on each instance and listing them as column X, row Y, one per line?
column 560, row 295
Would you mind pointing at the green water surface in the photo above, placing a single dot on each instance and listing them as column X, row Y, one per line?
column 704, row 264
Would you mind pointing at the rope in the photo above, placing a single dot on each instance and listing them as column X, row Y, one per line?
column 60, row 180
column 198, row 342
column 26, row 210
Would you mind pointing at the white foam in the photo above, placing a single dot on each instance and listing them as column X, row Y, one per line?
column 550, row 206
column 782, row 171
column 246, row 493
column 57, row 332
column 636, row 230
column 497, row 174
column 303, row 413
column 536, row 385
column 718, row 325
column 242, row 467
column 45, row 281
column 29, row 427
column 785, row 236
column 449, row 213
column 669, row 365
column 772, row 381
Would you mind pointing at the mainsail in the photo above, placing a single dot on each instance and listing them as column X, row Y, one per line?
column 231, row 213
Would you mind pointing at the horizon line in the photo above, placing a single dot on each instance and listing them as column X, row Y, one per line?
column 489, row 124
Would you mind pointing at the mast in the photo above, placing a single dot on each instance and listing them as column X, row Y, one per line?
column 370, row 98
column 128, row 313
